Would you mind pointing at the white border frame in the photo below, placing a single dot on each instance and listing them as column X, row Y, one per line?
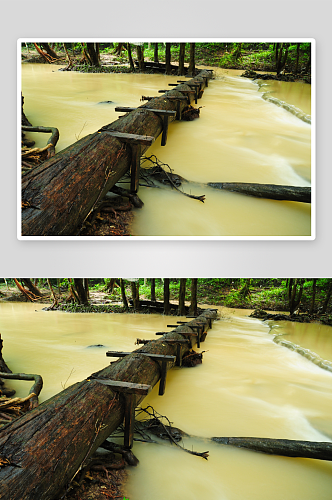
column 173, row 238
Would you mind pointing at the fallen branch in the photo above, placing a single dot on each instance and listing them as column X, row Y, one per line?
column 170, row 178
column 51, row 143
column 284, row 447
column 35, row 389
column 155, row 420
column 271, row 191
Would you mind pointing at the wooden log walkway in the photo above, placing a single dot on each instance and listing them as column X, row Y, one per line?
column 42, row 451
column 59, row 194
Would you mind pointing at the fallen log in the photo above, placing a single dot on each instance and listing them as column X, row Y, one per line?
column 283, row 447
column 271, row 191
column 59, row 194
column 42, row 451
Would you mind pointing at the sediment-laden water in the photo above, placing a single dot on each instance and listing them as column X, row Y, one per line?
column 239, row 137
column 247, row 385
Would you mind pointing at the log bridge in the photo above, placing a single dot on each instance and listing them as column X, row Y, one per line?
column 42, row 451
column 59, row 194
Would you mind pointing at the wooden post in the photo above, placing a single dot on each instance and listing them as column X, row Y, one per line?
column 128, row 390
column 135, row 141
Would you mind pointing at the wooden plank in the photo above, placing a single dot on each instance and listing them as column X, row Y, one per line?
column 121, row 354
column 175, row 341
column 125, row 387
column 158, row 111
column 129, row 421
column 174, row 97
column 117, row 354
column 161, row 357
column 145, row 140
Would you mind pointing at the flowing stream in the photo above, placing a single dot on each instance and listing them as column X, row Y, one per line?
column 247, row 385
column 247, row 132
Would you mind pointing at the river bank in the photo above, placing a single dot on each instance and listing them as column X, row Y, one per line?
column 264, row 302
column 213, row 54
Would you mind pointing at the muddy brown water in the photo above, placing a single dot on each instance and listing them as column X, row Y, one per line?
column 239, row 137
column 247, row 386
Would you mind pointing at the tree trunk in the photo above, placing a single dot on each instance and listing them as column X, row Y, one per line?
column 110, row 285
column 118, row 49
column 191, row 69
column 153, row 290
column 328, row 296
column 55, row 300
column 24, row 119
column 135, row 294
column 168, row 58
column 297, row 58
column 181, row 59
column 3, row 367
column 166, row 296
column 193, row 291
column 269, row 191
column 283, row 447
column 140, row 57
column 123, row 294
column 93, row 54
column 294, row 301
column 28, row 283
column 42, row 451
column 155, row 55
column 130, row 58
column 49, row 51
column 63, row 190
column 81, row 291
column 182, row 297
column 312, row 306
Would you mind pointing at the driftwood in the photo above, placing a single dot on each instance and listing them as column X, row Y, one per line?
column 283, row 447
column 51, row 143
column 271, row 191
column 44, row 450
column 35, row 389
column 60, row 193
